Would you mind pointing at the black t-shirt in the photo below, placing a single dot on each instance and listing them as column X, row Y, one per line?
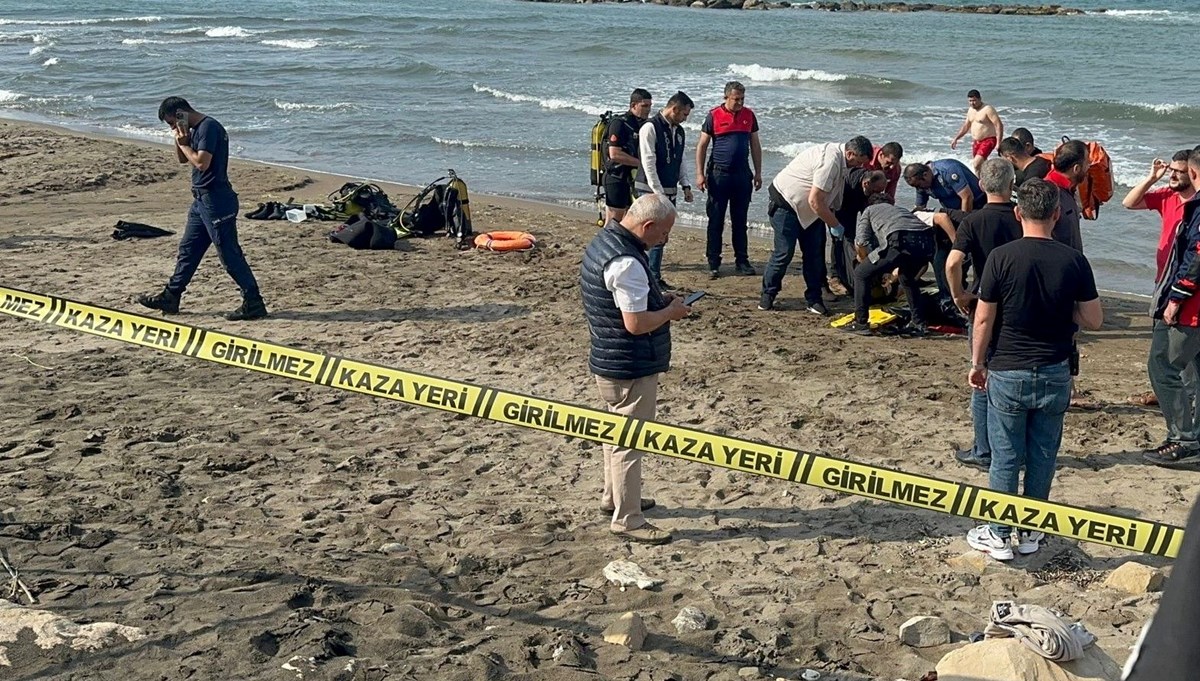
column 1038, row 169
column 854, row 201
column 982, row 231
column 210, row 136
column 1035, row 284
column 623, row 133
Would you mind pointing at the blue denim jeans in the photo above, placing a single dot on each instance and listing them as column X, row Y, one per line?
column 979, row 403
column 789, row 232
column 1026, row 408
column 212, row 221
column 656, row 254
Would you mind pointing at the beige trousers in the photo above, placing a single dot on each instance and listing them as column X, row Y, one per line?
column 623, row 466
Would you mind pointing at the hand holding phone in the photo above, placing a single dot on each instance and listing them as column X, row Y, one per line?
column 181, row 121
column 692, row 298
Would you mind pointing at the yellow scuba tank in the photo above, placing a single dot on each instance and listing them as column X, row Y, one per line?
column 461, row 187
column 599, row 157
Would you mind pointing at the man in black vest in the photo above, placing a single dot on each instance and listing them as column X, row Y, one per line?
column 661, row 141
column 630, row 318
column 623, row 153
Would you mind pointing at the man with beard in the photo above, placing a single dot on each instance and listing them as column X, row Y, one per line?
column 1178, row 399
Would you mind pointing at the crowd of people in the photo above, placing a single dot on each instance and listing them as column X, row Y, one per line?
column 1004, row 246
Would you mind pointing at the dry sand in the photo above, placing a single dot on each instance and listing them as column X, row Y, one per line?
column 238, row 518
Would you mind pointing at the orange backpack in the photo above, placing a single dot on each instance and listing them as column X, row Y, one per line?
column 1097, row 188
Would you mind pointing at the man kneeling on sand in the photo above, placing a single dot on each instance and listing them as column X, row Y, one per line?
column 630, row 317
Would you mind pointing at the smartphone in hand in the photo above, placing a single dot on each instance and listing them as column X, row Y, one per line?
column 692, row 298
column 181, row 121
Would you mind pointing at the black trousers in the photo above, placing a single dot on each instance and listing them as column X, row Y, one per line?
column 728, row 191
column 908, row 251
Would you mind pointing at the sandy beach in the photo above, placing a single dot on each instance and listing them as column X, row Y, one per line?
column 238, row 518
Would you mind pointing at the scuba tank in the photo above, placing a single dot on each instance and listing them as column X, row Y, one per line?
column 457, row 183
column 599, row 158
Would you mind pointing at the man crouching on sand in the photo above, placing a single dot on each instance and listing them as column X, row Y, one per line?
column 201, row 141
column 630, row 317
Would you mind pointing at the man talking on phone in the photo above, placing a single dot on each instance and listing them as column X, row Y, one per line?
column 202, row 143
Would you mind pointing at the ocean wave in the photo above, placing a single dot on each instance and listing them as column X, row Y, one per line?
column 77, row 22
column 228, row 32
column 790, row 150
column 293, row 44
column 504, row 146
column 36, row 50
column 10, row 96
column 297, row 106
column 770, row 74
column 1149, row 15
column 50, row 62
column 1112, row 109
column 143, row 41
column 544, row 102
column 155, row 133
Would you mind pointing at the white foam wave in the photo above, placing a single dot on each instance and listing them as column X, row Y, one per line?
column 227, row 32
column 546, row 103
column 769, row 74
column 50, row 62
column 10, row 96
column 293, row 44
column 40, row 38
column 142, row 41
column 1158, row 108
column 36, row 50
column 156, row 133
column 76, row 22
column 1136, row 12
column 298, row 106
column 790, row 150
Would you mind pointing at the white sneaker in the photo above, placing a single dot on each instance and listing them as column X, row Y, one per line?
column 982, row 538
column 1029, row 542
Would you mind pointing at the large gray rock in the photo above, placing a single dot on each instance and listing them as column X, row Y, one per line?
column 689, row 619
column 925, row 632
column 1008, row 659
column 626, row 573
column 54, row 637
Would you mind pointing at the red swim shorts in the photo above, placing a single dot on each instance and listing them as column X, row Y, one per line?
column 984, row 147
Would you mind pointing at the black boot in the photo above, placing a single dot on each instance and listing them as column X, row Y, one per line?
column 165, row 300
column 249, row 309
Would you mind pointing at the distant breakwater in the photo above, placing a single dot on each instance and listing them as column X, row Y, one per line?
column 848, row 6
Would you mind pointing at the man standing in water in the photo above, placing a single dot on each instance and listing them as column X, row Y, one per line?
column 202, row 143
column 985, row 127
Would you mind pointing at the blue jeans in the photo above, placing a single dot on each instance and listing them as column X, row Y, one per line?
column 1026, row 408
column 789, row 232
column 979, row 403
column 212, row 221
column 656, row 254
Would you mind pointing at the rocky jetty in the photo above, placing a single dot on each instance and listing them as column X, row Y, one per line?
column 850, row 6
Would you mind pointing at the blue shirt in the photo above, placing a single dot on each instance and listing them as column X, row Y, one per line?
column 731, row 133
column 210, row 136
column 949, row 178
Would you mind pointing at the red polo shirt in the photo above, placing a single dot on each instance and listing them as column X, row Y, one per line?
column 1169, row 205
column 893, row 175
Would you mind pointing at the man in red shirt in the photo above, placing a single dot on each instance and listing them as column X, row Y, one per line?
column 1168, row 202
column 887, row 158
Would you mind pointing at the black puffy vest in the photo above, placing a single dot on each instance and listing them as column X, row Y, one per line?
column 615, row 352
column 668, row 149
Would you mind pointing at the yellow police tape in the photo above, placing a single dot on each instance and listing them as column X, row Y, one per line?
column 550, row 416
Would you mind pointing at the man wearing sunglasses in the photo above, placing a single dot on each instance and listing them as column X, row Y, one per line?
column 1176, row 398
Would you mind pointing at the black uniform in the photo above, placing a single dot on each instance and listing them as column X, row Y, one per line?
column 618, row 178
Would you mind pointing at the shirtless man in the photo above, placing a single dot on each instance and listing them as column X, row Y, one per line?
column 985, row 127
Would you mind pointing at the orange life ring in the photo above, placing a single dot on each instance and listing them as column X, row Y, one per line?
column 505, row 241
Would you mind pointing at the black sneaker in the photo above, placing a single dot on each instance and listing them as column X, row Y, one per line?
column 766, row 302
column 913, row 329
column 1172, row 455
column 744, row 269
column 968, row 457
column 818, row 308
column 164, row 301
column 858, row 328
column 664, row 285
column 249, row 309
column 714, row 273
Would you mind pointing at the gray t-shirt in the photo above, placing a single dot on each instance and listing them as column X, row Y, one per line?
column 880, row 221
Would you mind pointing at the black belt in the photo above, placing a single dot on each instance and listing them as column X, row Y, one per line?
column 197, row 191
